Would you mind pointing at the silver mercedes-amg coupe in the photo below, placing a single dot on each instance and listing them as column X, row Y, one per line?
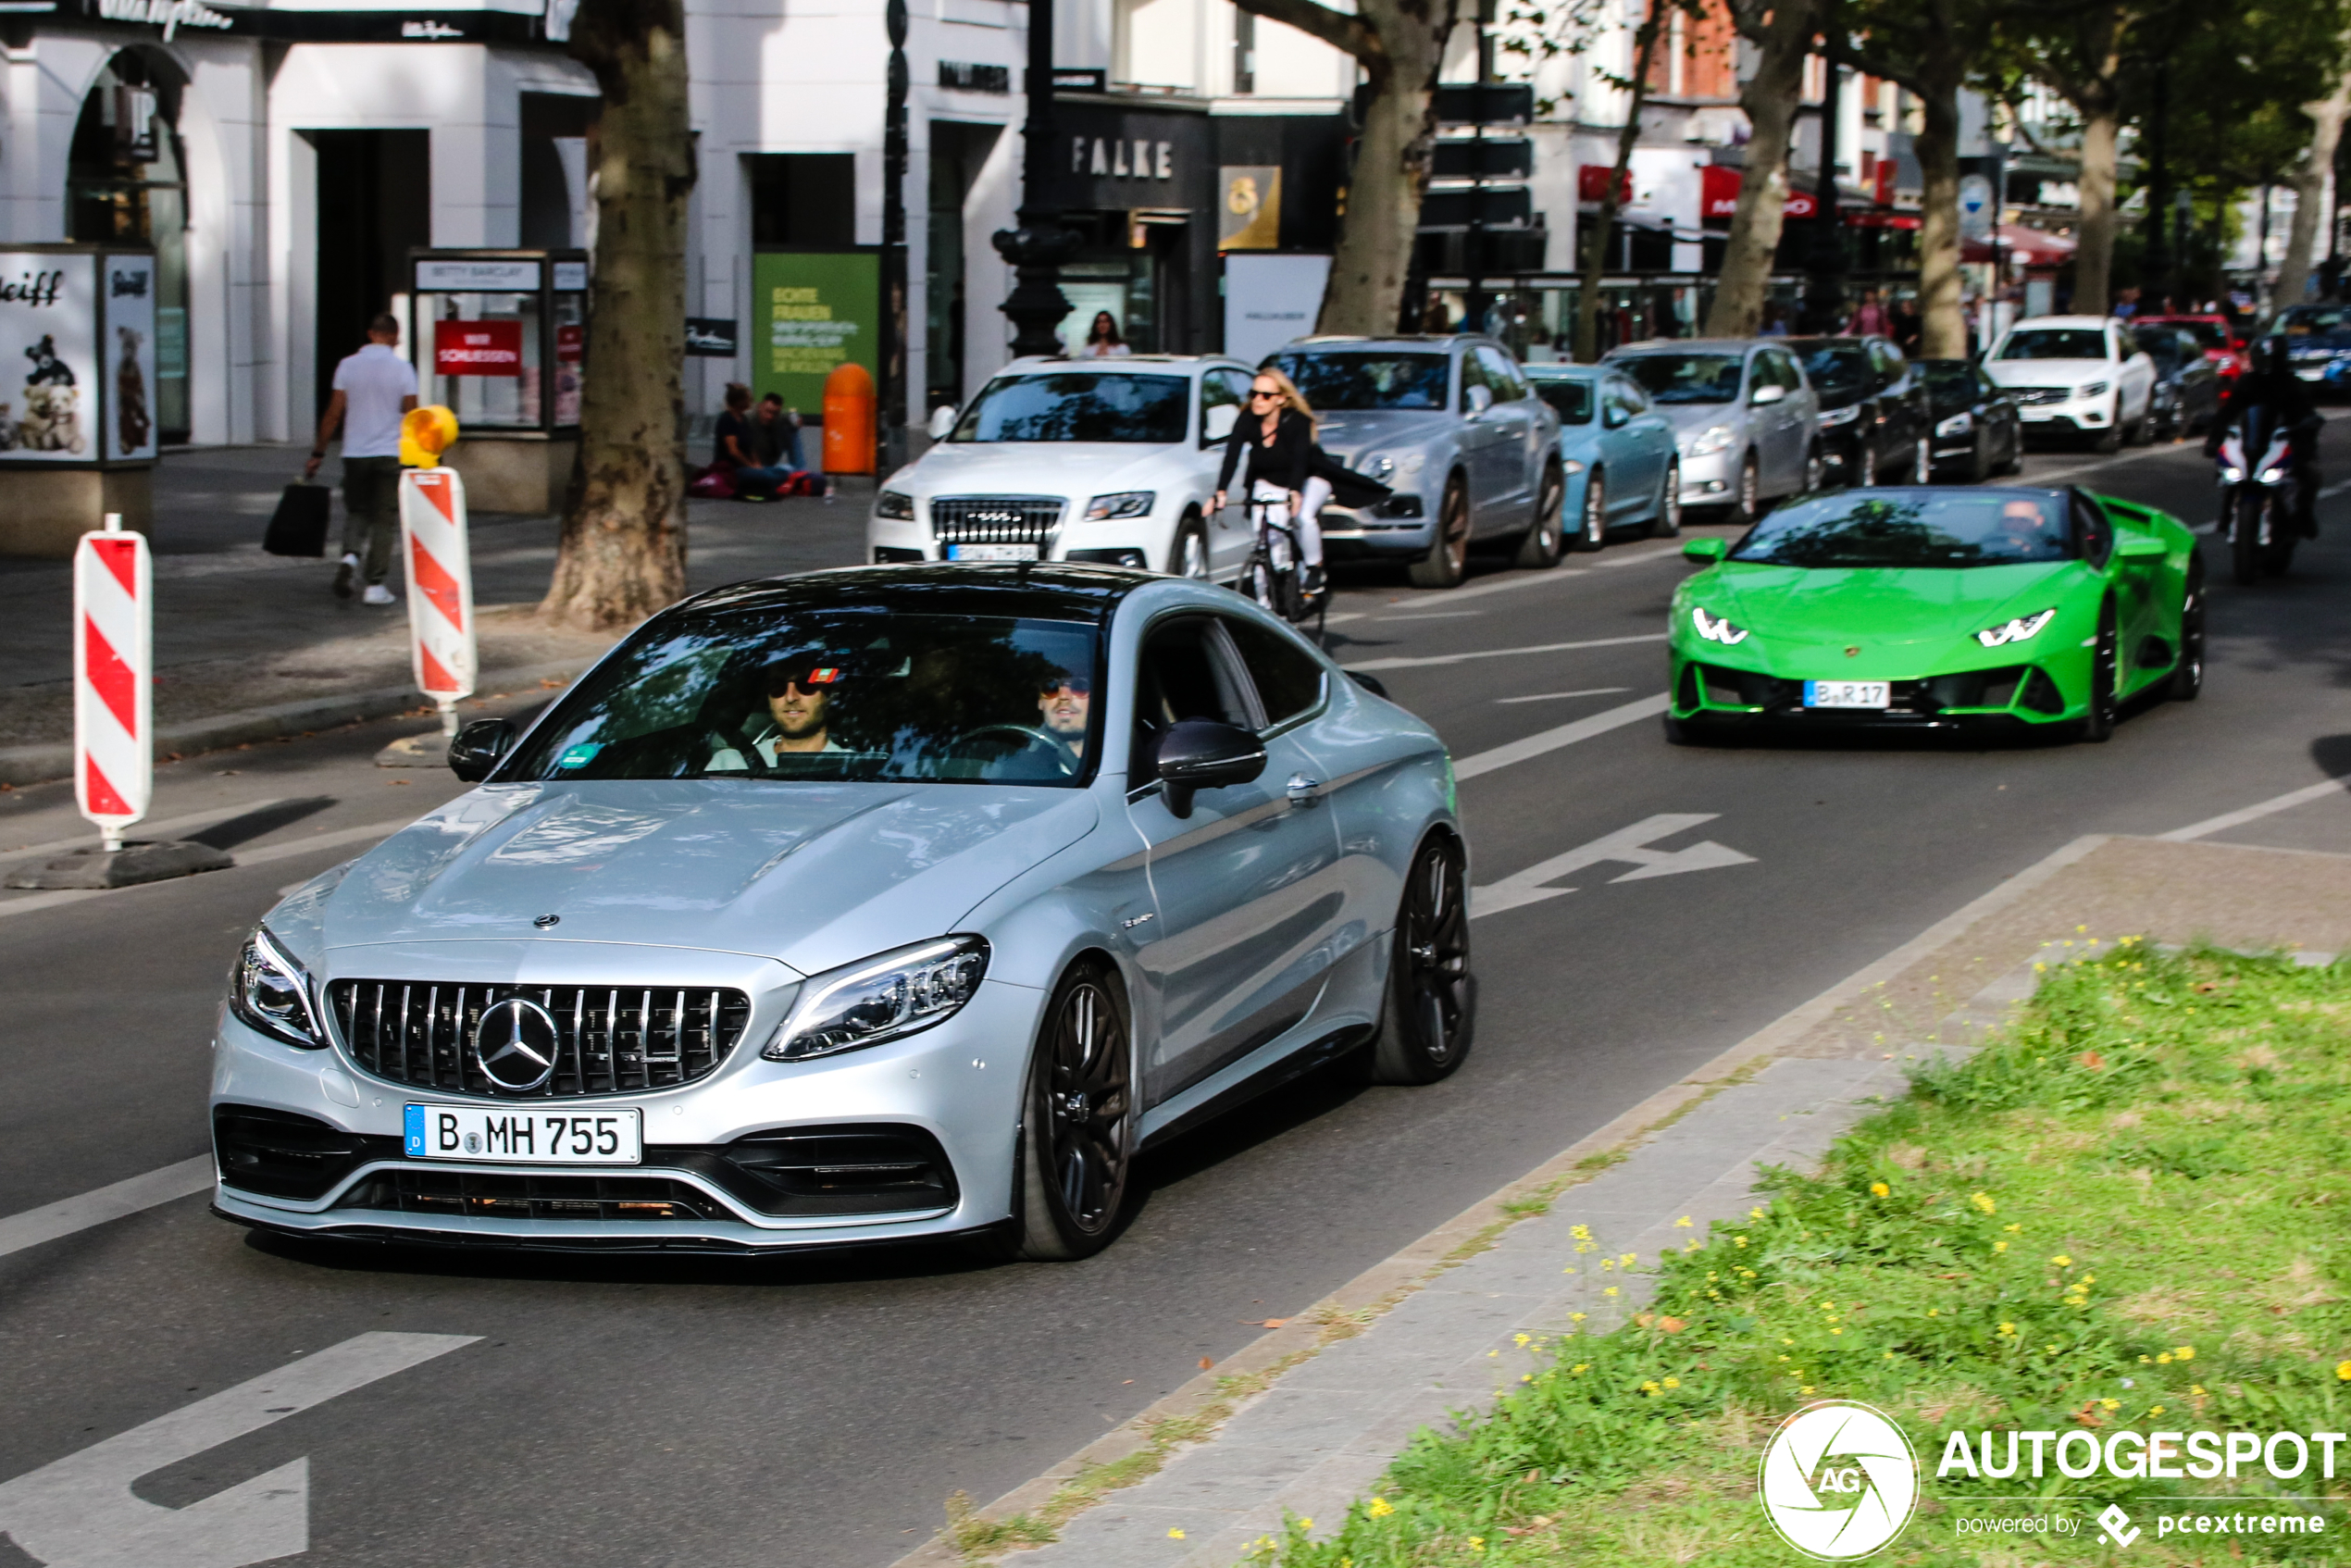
column 886, row 904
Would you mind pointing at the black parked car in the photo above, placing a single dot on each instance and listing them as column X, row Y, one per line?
column 1873, row 410
column 2187, row 384
column 1977, row 431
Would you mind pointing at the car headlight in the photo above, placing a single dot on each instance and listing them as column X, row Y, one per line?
column 2096, row 388
column 1124, row 504
column 1572, row 466
column 1714, row 629
column 271, row 992
column 886, row 997
column 1379, row 466
column 1714, row 438
column 893, row 504
column 2016, row 631
column 1956, row 424
column 1832, row 417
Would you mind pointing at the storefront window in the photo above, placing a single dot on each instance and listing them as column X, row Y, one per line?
column 482, row 359
column 124, row 185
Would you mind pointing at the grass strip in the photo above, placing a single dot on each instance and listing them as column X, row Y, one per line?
column 2131, row 1210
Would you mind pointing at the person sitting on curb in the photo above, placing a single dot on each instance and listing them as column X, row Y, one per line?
column 738, row 450
column 373, row 389
column 777, row 428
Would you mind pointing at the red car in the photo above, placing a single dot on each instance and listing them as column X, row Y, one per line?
column 2221, row 345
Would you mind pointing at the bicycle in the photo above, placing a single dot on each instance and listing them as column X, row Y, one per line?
column 1272, row 574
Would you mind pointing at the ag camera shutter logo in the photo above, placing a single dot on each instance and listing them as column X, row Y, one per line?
column 1838, row 1480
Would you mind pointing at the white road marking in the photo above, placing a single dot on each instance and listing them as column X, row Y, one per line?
column 1434, row 616
column 167, row 827
column 2270, row 807
column 80, row 1511
column 1565, row 735
column 100, row 1204
column 262, row 856
column 1555, row 696
column 1503, row 582
column 1435, row 659
column 1628, row 845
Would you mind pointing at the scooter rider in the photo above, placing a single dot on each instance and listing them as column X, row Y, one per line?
column 2268, row 382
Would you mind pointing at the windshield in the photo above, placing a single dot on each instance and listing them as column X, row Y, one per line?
column 1078, row 406
column 2055, row 342
column 2314, row 318
column 1911, row 528
column 1840, row 372
column 1572, row 399
column 1338, row 382
column 862, row 693
column 1685, row 378
column 2163, row 345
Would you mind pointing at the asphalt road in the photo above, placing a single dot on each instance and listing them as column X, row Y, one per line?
column 816, row 1413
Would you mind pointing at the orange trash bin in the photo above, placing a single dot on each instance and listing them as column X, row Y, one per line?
column 849, row 419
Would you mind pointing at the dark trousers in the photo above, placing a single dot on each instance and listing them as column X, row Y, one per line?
column 371, row 512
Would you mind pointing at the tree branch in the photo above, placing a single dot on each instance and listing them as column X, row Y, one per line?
column 1348, row 33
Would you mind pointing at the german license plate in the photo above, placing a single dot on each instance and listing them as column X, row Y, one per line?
column 1847, row 693
column 2034, row 416
column 991, row 553
column 524, row 1137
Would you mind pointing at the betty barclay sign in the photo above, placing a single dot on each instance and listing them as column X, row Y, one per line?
column 1839, row 1480
column 80, row 326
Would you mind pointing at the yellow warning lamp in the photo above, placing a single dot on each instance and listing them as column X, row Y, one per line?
column 424, row 434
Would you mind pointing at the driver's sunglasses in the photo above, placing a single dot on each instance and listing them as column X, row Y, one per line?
column 1076, row 685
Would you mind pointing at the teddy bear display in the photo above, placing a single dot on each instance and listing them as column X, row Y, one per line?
column 52, row 420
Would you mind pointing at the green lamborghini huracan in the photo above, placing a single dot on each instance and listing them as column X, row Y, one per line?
column 1934, row 608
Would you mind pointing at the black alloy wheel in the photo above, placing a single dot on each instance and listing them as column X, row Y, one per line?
column 1667, row 524
column 1592, row 531
column 1077, row 1128
column 1448, row 559
column 2098, row 725
column 1544, row 544
column 2187, row 675
column 1189, row 556
column 1431, row 1009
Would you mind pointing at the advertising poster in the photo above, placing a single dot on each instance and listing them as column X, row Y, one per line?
column 130, row 350
column 810, row 313
column 48, row 357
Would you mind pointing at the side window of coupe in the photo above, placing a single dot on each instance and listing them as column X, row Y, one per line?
column 1289, row 679
column 1188, row 669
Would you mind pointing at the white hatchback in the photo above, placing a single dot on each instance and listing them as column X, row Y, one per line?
column 1106, row 460
column 2077, row 375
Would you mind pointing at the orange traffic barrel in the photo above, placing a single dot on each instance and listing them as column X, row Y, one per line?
column 849, row 419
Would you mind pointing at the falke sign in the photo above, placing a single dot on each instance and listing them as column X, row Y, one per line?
column 1150, row 159
column 477, row 348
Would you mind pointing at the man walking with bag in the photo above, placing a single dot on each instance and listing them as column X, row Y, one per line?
column 373, row 389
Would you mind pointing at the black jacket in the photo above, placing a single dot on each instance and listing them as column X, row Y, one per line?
column 1291, row 459
column 2284, row 393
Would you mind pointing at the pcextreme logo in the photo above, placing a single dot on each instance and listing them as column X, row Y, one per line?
column 1838, row 1480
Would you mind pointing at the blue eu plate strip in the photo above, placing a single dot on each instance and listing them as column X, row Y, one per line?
column 413, row 1128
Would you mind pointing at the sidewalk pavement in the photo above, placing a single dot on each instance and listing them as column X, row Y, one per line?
column 1306, row 1418
column 250, row 646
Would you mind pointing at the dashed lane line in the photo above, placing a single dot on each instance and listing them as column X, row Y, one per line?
column 1548, row 741
column 1556, row 696
column 1432, row 660
column 96, row 1207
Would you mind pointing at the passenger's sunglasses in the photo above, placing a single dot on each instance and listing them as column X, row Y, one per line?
column 809, row 681
column 1076, row 685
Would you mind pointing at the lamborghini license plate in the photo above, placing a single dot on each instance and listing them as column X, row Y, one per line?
column 1849, row 693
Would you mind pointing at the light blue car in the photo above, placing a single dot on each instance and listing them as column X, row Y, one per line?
column 898, row 904
column 1616, row 450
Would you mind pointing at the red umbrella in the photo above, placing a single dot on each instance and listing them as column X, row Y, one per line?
column 2028, row 246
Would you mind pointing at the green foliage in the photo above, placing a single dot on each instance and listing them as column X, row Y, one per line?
column 2125, row 1212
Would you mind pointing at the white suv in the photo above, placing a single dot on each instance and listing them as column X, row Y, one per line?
column 2077, row 375
column 1108, row 460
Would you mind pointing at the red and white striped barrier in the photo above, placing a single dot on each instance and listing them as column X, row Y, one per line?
column 114, row 775
column 441, row 586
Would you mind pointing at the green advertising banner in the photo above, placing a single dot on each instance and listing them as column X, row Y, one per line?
column 810, row 313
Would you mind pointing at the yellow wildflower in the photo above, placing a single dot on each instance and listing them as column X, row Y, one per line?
column 2063, row 1261
column 1580, row 1368
column 1681, row 1224
column 2185, row 1352
column 1983, row 1200
column 1174, row 1535
column 2342, row 1370
column 1738, row 1240
column 2155, row 1410
column 2007, row 1328
column 1879, row 1188
column 1673, row 1382
column 1609, row 1291
column 1379, row 1507
column 1999, row 1246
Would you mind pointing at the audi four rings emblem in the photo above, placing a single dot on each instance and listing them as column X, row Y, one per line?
column 514, row 1045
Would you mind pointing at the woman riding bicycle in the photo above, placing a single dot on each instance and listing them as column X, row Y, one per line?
column 1277, row 439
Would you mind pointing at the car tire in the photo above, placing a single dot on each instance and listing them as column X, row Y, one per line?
column 2014, row 462
column 2098, row 725
column 1429, row 1013
column 2107, row 441
column 1541, row 548
column 1667, row 523
column 1448, row 559
column 1591, row 524
column 1748, row 505
column 1076, row 1141
column 1188, row 556
column 2187, row 675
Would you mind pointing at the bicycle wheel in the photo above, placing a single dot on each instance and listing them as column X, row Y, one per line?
column 1260, row 583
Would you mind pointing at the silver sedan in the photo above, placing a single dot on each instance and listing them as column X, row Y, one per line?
column 883, row 905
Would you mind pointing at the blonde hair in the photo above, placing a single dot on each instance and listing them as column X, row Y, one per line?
column 1291, row 396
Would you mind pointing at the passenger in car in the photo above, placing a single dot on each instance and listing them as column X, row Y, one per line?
column 1064, row 706
column 799, row 712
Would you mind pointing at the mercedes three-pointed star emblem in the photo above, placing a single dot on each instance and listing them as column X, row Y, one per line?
column 514, row 1045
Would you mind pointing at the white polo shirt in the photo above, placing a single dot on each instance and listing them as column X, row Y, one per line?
column 373, row 383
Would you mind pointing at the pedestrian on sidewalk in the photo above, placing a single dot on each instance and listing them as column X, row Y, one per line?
column 373, row 389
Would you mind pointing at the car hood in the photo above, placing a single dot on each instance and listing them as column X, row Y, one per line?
column 2049, row 372
column 1794, row 604
column 811, row 874
column 1076, row 468
column 1374, row 429
column 1689, row 417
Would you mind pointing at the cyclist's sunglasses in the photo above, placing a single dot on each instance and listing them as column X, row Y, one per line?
column 1076, row 685
column 808, row 680
column 1256, row 393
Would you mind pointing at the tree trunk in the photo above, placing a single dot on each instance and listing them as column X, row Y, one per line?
column 2094, row 255
column 1771, row 102
column 1943, row 317
column 2310, row 190
column 1587, row 298
column 623, row 553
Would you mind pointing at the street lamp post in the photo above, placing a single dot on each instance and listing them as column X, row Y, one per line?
column 1040, row 244
column 1824, row 272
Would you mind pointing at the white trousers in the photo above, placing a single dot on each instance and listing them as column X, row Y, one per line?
column 1311, row 500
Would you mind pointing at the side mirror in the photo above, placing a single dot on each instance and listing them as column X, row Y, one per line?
column 2138, row 547
column 1764, row 394
column 1704, row 551
column 1479, row 399
column 478, row 746
column 1613, row 417
column 1371, row 684
column 1217, row 423
column 942, row 421
column 1200, row 753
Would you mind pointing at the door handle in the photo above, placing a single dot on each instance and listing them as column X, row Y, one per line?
column 1302, row 790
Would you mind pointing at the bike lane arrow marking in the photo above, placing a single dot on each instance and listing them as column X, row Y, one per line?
column 80, row 1513
column 1626, row 846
